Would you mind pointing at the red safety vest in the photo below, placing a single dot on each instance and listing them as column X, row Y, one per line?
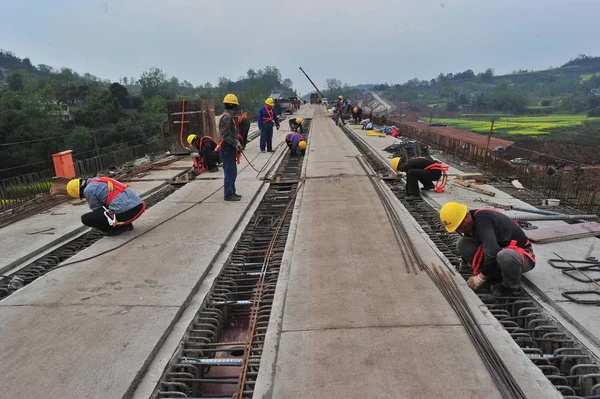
column 271, row 117
column 200, row 164
column 115, row 188
column 480, row 254
column 440, row 184
column 289, row 138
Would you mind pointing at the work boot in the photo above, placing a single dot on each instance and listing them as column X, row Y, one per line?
column 413, row 198
column 428, row 187
column 118, row 230
column 213, row 170
column 233, row 198
column 130, row 226
column 501, row 290
column 237, row 195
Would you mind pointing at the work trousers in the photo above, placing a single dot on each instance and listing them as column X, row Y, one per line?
column 426, row 177
column 266, row 138
column 510, row 265
column 97, row 220
column 210, row 157
column 229, row 170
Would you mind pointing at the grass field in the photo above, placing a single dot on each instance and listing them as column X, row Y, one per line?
column 518, row 125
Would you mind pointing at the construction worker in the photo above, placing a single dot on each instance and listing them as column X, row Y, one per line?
column 230, row 146
column 339, row 106
column 296, row 125
column 114, row 206
column 243, row 129
column 267, row 118
column 205, row 158
column 422, row 170
column 295, row 141
column 495, row 246
column 357, row 114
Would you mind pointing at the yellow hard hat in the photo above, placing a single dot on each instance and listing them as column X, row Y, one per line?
column 302, row 145
column 191, row 138
column 452, row 215
column 231, row 99
column 355, row 109
column 73, row 188
column 298, row 120
column 341, row 97
column 269, row 101
column 395, row 163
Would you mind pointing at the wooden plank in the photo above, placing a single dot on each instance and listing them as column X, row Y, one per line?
column 478, row 177
column 473, row 187
column 564, row 232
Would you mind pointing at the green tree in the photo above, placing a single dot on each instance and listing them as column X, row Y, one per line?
column 154, row 82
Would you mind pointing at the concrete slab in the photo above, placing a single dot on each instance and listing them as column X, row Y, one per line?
column 158, row 269
column 77, row 351
column 336, row 278
column 402, row 362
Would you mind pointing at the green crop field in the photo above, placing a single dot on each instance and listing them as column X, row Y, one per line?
column 518, row 125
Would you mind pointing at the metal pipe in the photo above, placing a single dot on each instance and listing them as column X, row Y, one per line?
column 554, row 217
column 532, row 210
column 220, row 361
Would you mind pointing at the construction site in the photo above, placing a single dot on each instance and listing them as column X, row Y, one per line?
column 323, row 281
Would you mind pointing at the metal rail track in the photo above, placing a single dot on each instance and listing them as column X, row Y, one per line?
column 220, row 352
column 563, row 359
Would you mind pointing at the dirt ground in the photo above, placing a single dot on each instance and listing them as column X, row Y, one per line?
column 542, row 151
column 462, row 135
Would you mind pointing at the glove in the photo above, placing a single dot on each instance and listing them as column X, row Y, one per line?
column 476, row 282
column 238, row 146
column 277, row 127
column 195, row 155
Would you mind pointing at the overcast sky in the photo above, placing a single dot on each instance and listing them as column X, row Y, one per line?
column 358, row 42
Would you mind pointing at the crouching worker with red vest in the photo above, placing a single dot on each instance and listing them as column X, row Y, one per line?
column 422, row 170
column 295, row 142
column 205, row 158
column 114, row 206
column 493, row 244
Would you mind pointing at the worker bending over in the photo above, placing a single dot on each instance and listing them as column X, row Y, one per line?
column 114, row 206
column 296, row 125
column 205, row 158
column 295, row 141
column 422, row 170
column 495, row 246
column 230, row 146
column 357, row 114
column 267, row 118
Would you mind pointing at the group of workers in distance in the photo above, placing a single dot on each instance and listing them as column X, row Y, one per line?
column 114, row 206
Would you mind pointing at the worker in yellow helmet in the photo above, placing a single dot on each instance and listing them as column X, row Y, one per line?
column 493, row 244
column 230, row 146
column 295, row 141
column 296, row 125
column 205, row 153
column 357, row 114
column 423, row 170
column 114, row 206
column 267, row 119
column 339, row 106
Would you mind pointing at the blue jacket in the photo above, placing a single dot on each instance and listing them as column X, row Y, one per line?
column 292, row 140
column 262, row 113
column 96, row 193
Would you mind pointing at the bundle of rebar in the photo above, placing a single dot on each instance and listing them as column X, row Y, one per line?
column 504, row 380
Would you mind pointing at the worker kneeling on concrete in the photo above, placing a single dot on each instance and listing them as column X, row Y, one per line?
column 422, row 170
column 205, row 158
column 495, row 246
column 114, row 206
column 357, row 114
column 296, row 125
column 295, row 142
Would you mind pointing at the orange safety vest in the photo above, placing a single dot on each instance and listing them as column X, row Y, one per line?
column 440, row 184
column 201, row 165
column 480, row 254
column 115, row 188
column 271, row 116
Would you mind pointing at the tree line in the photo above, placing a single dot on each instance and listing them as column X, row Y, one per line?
column 43, row 110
